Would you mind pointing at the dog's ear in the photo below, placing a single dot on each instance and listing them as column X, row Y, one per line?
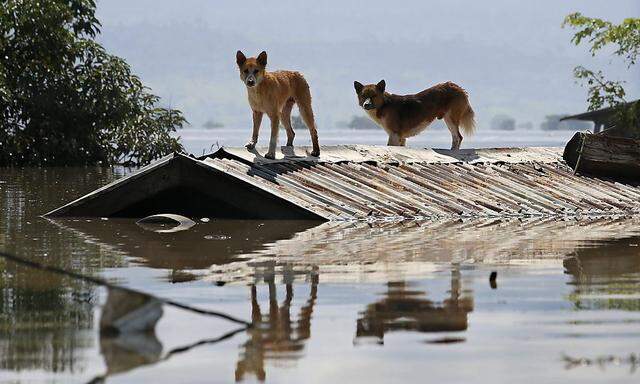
column 358, row 87
column 262, row 58
column 240, row 58
column 381, row 85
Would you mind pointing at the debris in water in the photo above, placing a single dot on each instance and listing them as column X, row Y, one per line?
column 447, row 340
column 129, row 312
column 492, row 279
column 117, row 315
column 157, row 223
column 217, row 237
column 633, row 360
column 177, row 276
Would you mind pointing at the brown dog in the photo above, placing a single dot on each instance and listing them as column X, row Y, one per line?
column 404, row 116
column 275, row 93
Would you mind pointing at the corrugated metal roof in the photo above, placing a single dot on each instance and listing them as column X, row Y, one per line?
column 363, row 182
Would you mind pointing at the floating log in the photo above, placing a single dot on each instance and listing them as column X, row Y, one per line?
column 604, row 156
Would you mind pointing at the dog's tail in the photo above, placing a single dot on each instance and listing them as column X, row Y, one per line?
column 467, row 118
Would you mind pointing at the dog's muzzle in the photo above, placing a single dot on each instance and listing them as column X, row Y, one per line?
column 368, row 104
column 250, row 81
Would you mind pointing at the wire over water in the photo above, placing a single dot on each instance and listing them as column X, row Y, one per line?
column 104, row 283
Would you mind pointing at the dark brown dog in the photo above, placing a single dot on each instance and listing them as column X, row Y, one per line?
column 404, row 116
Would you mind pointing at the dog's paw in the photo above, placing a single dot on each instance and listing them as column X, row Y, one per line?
column 315, row 153
column 250, row 145
column 269, row 155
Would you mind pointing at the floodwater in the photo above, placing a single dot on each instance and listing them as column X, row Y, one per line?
column 333, row 302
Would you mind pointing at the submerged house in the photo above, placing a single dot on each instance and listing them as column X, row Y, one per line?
column 359, row 182
column 604, row 118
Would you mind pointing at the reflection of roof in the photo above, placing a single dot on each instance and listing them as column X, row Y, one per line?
column 599, row 115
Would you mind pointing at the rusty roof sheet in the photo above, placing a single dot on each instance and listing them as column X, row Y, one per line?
column 392, row 183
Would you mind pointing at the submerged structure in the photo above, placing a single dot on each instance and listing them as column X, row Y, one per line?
column 604, row 155
column 604, row 118
column 353, row 182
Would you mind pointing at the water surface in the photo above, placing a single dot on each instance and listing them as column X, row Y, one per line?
column 335, row 302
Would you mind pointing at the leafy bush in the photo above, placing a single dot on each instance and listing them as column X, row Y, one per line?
column 64, row 100
column 625, row 38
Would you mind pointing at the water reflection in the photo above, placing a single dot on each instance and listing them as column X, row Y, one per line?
column 44, row 327
column 218, row 243
column 294, row 271
column 126, row 352
column 46, row 321
column 205, row 244
column 128, row 333
column 383, row 252
column 602, row 362
column 274, row 334
column 605, row 275
column 404, row 309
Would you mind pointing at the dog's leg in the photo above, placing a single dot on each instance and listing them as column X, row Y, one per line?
column 302, row 96
column 273, row 142
column 257, row 120
column 403, row 141
column 285, row 117
column 394, row 140
column 307, row 116
column 456, row 137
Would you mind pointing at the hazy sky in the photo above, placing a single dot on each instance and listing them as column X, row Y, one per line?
column 512, row 56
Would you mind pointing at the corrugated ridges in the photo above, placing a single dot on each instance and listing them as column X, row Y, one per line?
column 350, row 190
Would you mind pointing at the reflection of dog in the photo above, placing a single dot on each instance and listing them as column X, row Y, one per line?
column 274, row 335
column 404, row 116
column 275, row 93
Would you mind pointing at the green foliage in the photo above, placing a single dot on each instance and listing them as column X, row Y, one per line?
column 629, row 116
column 65, row 100
column 602, row 92
column 625, row 37
column 601, row 33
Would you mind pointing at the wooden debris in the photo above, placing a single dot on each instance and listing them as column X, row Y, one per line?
column 604, row 156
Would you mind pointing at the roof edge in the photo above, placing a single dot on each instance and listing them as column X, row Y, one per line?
column 114, row 184
column 390, row 155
